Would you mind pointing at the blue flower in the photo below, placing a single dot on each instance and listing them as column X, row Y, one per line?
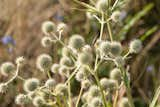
column 59, row 16
column 8, row 40
column 150, row 68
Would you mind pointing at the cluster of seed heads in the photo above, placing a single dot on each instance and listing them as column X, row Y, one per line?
column 80, row 61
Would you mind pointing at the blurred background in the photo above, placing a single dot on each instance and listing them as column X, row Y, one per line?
column 20, row 35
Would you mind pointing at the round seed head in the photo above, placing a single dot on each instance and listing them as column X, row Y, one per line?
column 76, row 41
column 46, row 41
column 85, row 58
column 3, row 88
column 102, row 5
column 67, row 62
column 94, row 91
column 80, row 76
column 66, row 52
column 86, row 84
column 84, row 97
column 116, row 48
column 7, row 68
column 38, row 101
column 63, row 71
column 48, row 27
column 124, row 102
column 55, row 68
column 61, row 89
column 22, row 99
column 115, row 74
column 116, row 16
column 135, row 46
column 31, row 84
column 44, row 62
column 50, row 83
column 87, row 48
column 96, row 102
column 105, row 47
column 61, row 27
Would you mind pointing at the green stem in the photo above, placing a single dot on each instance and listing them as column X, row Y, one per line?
column 102, row 26
column 128, row 89
column 49, row 75
column 109, row 31
column 69, row 94
column 79, row 96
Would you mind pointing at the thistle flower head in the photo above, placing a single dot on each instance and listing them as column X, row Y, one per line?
column 94, row 91
column 67, row 62
column 135, row 46
column 66, row 52
column 31, row 84
column 85, row 58
column 50, row 83
column 22, row 99
column 115, row 74
column 39, row 101
column 63, row 71
column 46, row 41
column 3, row 87
column 105, row 47
column 7, row 68
column 48, row 27
column 76, row 41
column 80, row 76
column 44, row 62
column 116, row 48
column 55, row 68
column 61, row 89
column 124, row 102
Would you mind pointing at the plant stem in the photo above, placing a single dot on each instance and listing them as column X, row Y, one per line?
column 79, row 96
column 109, row 31
column 102, row 26
column 49, row 75
column 69, row 94
column 128, row 89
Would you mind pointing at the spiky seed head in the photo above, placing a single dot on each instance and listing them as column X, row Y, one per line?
column 105, row 47
column 50, row 83
column 46, row 41
column 124, row 102
column 66, row 52
column 48, row 27
column 61, row 27
column 116, row 48
column 96, row 102
column 55, row 68
column 22, row 99
column 44, row 62
column 38, row 101
column 31, row 84
column 61, row 89
column 119, row 61
column 63, row 71
column 7, row 68
column 94, row 91
column 85, row 58
column 3, row 87
column 67, row 62
column 135, row 46
column 102, row 5
column 116, row 16
column 20, row 61
column 76, row 41
column 80, row 76
column 115, row 74
column 85, row 84
column 108, row 84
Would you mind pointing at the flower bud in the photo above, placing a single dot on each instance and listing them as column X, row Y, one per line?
column 61, row 27
column 55, row 68
column 116, row 16
column 76, row 41
column 96, row 102
column 31, row 84
column 135, row 46
column 50, row 83
column 63, row 71
column 66, row 52
column 44, row 62
column 46, row 41
column 105, row 47
column 48, row 27
column 38, row 101
column 22, row 99
column 7, row 68
column 85, row 58
column 86, row 84
column 80, row 76
column 119, row 61
column 102, row 5
column 20, row 61
column 94, row 91
column 67, row 62
column 116, row 48
column 115, row 74
column 61, row 89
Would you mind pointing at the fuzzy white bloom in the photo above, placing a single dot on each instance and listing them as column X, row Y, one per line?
column 7, row 68
column 135, row 46
column 116, row 16
column 22, row 99
column 61, row 27
column 50, row 83
column 46, row 41
column 38, row 101
column 20, row 60
column 48, row 27
column 3, row 88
